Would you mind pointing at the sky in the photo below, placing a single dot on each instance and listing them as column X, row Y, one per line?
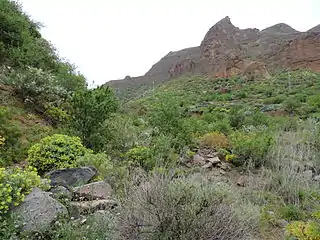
column 109, row 39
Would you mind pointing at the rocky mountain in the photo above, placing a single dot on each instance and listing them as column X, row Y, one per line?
column 315, row 29
column 227, row 50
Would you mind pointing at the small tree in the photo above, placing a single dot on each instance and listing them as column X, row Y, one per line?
column 89, row 109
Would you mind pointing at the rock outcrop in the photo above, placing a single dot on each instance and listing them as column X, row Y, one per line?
column 227, row 50
column 71, row 177
column 315, row 29
column 39, row 211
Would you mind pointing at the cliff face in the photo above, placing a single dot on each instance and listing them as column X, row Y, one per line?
column 227, row 50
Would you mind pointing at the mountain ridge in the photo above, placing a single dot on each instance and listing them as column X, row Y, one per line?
column 227, row 50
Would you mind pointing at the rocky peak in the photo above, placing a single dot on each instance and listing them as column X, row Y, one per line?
column 227, row 50
column 220, row 30
column 280, row 28
column 315, row 29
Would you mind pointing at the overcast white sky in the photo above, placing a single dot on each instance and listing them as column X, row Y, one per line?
column 109, row 39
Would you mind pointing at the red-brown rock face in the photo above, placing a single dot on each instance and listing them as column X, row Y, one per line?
column 227, row 50
column 302, row 52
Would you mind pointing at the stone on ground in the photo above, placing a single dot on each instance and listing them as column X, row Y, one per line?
column 72, row 177
column 93, row 191
column 39, row 211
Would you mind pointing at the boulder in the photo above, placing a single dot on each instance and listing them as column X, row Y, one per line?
column 308, row 174
column 199, row 160
column 224, row 166
column 317, row 178
column 93, row 191
column 76, row 209
column 61, row 192
column 39, row 211
column 214, row 160
column 208, row 165
column 71, row 177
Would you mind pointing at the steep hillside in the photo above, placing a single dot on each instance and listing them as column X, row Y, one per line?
column 204, row 94
column 315, row 29
column 34, row 83
column 227, row 51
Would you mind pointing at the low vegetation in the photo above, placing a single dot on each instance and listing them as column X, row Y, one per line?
column 266, row 132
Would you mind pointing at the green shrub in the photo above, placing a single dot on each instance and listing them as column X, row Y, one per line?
column 141, row 156
column 314, row 101
column 89, row 110
column 291, row 212
column 56, row 152
column 14, row 185
column 117, row 142
column 291, row 105
column 304, row 230
column 250, row 147
column 11, row 149
column 100, row 161
column 275, row 100
column 237, row 117
column 56, row 115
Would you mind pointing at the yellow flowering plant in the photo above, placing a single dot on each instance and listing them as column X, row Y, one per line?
column 15, row 184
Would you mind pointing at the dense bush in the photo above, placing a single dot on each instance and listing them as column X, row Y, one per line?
column 89, row 110
column 10, row 133
column 141, row 156
column 14, row 185
column 35, row 86
column 304, row 230
column 56, row 152
column 250, row 147
column 182, row 209
column 100, row 161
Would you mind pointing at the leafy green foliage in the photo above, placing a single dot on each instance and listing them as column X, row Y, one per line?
column 89, row 109
column 304, row 230
column 101, row 161
column 14, row 185
column 10, row 133
column 142, row 156
column 56, row 152
column 250, row 147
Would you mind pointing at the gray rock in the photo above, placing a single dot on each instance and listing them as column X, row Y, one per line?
column 212, row 155
column 208, row 165
column 317, row 178
column 61, row 192
column 283, row 223
column 76, row 209
column 225, row 166
column 72, row 177
column 93, row 191
column 308, row 174
column 39, row 211
column 199, row 160
column 214, row 160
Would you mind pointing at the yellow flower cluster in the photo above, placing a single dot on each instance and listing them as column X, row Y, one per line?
column 304, row 230
column 2, row 140
column 14, row 185
column 230, row 157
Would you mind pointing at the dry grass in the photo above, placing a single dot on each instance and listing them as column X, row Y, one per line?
column 215, row 140
column 180, row 209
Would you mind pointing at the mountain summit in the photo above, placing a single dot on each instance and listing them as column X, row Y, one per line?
column 227, row 50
